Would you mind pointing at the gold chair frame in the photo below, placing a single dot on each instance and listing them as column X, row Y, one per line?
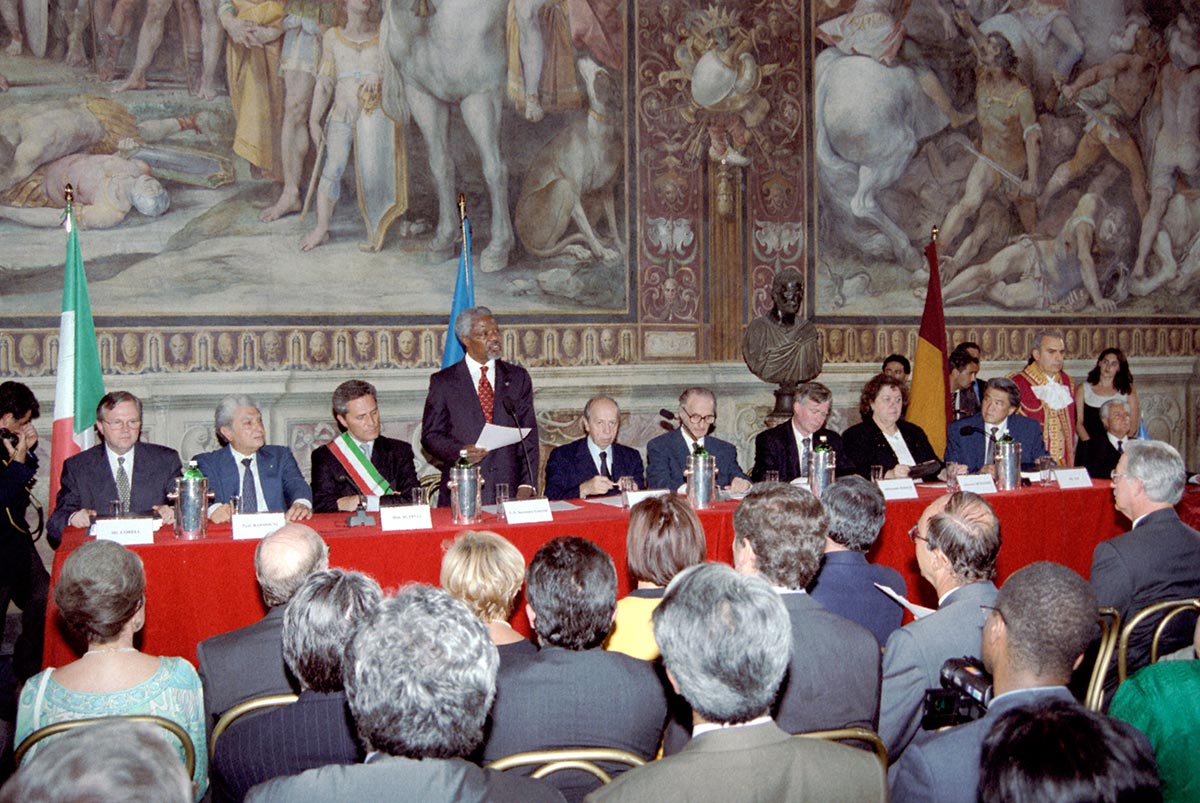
column 429, row 486
column 853, row 735
column 172, row 727
column 1172, row 607
column 1110, row 631
column 572, row 758
column 243, row 708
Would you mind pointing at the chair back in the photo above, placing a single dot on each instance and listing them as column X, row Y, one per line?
column 863, row 735
column 429, row 484
column 243, row 708
column 571, row 758
column 174, row 728
column 1169, row 609
column 1110, row 631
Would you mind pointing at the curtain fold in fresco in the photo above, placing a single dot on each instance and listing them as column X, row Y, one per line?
column 464, row 298
column 79, row 385
column 929, row 399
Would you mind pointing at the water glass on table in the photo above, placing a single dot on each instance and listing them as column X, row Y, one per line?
column 503, row 494
column 876, row 474
column 770, row 476
column 952, row 472
column 1045, row 467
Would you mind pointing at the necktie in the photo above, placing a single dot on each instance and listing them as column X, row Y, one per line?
column 806, row 447
column 989, row 453
column 249, row 495
column 1121, row 446
column 122, row 483
column 604, row 465
column 368, row 448
column 487, row 395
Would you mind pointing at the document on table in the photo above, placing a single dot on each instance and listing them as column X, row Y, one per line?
column 495, row 437
column 916, row 610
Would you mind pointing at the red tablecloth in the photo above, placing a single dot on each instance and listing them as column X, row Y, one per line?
column 196, row 589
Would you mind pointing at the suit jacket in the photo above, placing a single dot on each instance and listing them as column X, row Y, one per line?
column 243, row 664
column 571, row 465
column 775, row 450
column 845, row 585
column 88, row 484
column 912, row 661
column 666, row 458
column 453, row 419
column 1158, row 560
column 384, row 777
column 330, row 482
column 866, row 446
column 280, row 477
column 1099, row 456
column 316, row 730
column 832, row 679
column 759, row 762
column 575, row 698
column 969, row 449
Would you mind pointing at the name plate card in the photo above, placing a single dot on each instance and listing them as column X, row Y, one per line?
column 631, row 498
column 977, row 483
column 1072, row 478
column 405, row 517
column 527, row 511
column 254, row 526
column 902, row 488
column 126, row 532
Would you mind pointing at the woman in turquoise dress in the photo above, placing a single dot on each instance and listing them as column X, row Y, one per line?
column 101, row 596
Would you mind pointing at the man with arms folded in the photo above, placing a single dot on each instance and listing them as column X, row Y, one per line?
column 264, row 478
column 591, row 466
column 139, row 475
column 956, row 539
column 480, row 389
column 785, row 448
column 360, row 461
column 666, row 455
column 972, row 441
column 725, row 640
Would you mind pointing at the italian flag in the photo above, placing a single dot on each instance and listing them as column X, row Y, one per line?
column 929, row 397
column 80, row 385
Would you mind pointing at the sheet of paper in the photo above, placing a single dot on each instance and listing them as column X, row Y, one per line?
column 494, row 437
column 916, row 610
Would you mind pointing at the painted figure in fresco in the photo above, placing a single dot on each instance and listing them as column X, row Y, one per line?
column 3, row 84
column 255, row 28
column 1045, row 41
column 111, row 31
column 1177, row 138
column 106, row 189
column 419, row 81
column 1177, row 247
column 12, row 21
column 778, row 347
column 541, row 61
column 1122, row 85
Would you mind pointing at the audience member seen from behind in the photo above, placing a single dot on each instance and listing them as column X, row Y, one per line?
column 726, row 640
column 420, row 675
column 101, row 596
column 1062, row 752
column 485, row 571
column 1110, row 378
column 883, row 438
column 845, row 583
column 664, row 538
column 134, row 762
column 317, row 729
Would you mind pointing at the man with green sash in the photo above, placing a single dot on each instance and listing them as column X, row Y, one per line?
column 360, row 461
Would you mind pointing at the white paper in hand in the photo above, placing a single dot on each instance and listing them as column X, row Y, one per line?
column 496, row 437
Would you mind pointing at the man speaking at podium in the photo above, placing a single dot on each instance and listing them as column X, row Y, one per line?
column 480, row 389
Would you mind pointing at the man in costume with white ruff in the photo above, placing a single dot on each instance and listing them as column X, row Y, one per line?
column 1048, row 396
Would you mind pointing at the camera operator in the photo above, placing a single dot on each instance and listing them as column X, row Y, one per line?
column 23, row 577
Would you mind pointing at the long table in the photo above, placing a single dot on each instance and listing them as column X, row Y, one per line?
column 197, row 589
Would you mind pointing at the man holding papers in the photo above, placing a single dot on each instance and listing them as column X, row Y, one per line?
column 360, row 461
column 480, row 389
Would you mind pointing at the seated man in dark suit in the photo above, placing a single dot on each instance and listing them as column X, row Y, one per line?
column 317, row 729
column 833, row 677
column 971, row 441
column 1100, row 455
column 420, row 675
column 1030, row 656
column 846, row 582
column 591, row 466
column 573, row 693
column 666, row 455
column 726, row 639
column 1159, row 559
column 248, row 662
column 264, row 478
column 785, row 448
column 360, row 461
column 139, row 475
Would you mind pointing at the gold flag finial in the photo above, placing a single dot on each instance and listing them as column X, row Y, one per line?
column 70, row 194
column 933, row 234
column 462, row 207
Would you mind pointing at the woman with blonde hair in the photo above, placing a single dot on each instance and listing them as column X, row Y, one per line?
column 485, row 571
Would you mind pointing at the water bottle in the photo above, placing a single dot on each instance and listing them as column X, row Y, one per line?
column 191, row 503
column 821, row 465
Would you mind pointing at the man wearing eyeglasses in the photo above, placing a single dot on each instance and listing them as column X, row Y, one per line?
column 785, row 448
column 666, row 455
column 121, row 468
column 956, row 540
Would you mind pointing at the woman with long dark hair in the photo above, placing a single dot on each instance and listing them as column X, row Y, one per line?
column 1109, row 379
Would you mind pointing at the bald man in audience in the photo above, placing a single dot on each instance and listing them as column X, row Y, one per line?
column 248, row 662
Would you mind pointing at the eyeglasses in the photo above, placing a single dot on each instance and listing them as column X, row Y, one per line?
column 699, row 419
column 914, row 534
column 1118, row 476
column 134, row 424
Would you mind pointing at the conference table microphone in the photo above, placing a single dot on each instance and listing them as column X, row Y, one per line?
column 511, row 409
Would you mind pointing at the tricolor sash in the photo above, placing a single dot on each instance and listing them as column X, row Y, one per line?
column 362, row 472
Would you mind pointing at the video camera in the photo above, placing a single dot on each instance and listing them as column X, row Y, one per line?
column 964, row 696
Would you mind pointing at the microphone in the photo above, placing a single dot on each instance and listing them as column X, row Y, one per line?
column 978, row 431
column 511, row 409
column 667, row 414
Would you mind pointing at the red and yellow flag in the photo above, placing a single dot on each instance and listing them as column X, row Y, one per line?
column 929, row 399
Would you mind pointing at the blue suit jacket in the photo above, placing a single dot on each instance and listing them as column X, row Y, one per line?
column 571, row 465
column 666, row 458
column 280, row 477
column 969, row 449
column 845, row 586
